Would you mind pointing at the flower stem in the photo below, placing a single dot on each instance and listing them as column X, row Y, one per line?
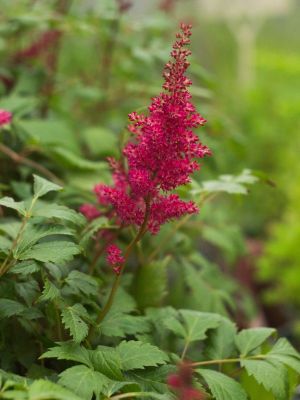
column 30, row 163
column 117, row 279
column 226, row 361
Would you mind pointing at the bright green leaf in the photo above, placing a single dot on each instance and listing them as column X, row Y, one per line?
column 221, row 386
column 42, row 186
column 248, row 340
column 138, row 355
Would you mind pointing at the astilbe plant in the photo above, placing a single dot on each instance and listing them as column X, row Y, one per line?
column 161, row 156
column 57, row 334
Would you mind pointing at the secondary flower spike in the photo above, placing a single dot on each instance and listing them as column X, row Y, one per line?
column 5, row 117
column 161, row 155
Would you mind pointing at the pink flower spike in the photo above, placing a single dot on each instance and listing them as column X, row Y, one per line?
column 5, row 117
column 162, row 153
column 114, row 256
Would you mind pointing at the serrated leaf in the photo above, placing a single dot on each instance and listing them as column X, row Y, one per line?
column 8, row 308
column 107, row 361
column 230, row 183
column 152, row 379
column 42, row 186
column 197, row 323
column 120, row 324
column 33, row 233
column 138, row 355
column 285, row 353
column 24, row 268
column 248, row 340
column 50, row 292
column 58, row 212
column 79, row 282
column 220, row 342
column 45, row 390
column 175, row 326
column 54, row 251
column 73, row 322
column 83, row 381
column 9, row 202
column 272, row 375
column 221, row 386
column 69, row 351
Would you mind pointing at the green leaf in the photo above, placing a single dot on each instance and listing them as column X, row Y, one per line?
column 152, row 379
column 24, row 268
column 120, row 324
column 69, row 351
column 56, row 211
column 42, row 186
column 100, row 141
column 151, row 295
column 175, row 326
column 54, row 251
column 249, row 339
column 8, row 308
column 5, row 244
column 72, row 321
column 70, row 160
column 83, row 381
column 15, row 205
column 34, row 233
column 231, row 184
column 50, row 292
column 197, row 323
column 79, row 282
column 220, row 342
column 10, row 226
column 107, row 361
column 45, row 390
column 272, row 375
column 285, row 353
column 138, row 355
column 221, row 386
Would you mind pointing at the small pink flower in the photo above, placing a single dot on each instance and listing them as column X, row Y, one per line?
column 182, row 383
column 89, row 211
column 5, row 117
column 114, row 258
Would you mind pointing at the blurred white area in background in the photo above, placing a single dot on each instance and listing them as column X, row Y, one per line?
column 238, row 9
column 244, row 18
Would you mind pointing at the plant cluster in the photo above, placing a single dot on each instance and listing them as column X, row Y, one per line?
column 82, row 319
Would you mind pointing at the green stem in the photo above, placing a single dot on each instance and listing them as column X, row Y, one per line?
column 226, row 361
column 117, row 280
column 30, row 163
column 126, row 395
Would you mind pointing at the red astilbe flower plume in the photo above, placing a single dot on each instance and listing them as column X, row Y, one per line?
column 161, row 155
column 114, row 258
column 182, row 383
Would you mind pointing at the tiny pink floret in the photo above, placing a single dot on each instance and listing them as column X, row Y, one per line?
column 89, row 211
column 5, row 117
